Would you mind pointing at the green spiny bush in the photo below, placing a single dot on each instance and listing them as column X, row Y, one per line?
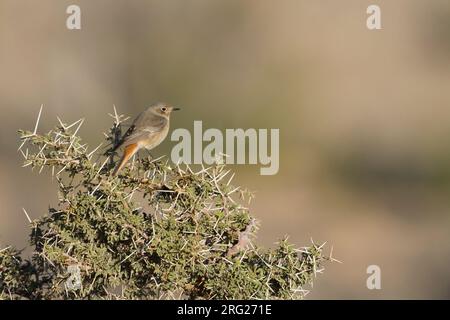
column 157, row 231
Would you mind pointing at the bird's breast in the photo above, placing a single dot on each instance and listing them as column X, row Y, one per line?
column 155, row 138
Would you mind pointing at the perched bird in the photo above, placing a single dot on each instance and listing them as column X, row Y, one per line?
column 147, row 131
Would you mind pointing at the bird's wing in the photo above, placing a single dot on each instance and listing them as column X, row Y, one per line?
column 142, row 126
column 127, row 134
column 138, row 135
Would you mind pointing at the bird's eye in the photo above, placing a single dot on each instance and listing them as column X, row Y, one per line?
column 163, row 109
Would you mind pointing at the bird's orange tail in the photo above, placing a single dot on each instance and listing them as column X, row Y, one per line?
column 129, row 151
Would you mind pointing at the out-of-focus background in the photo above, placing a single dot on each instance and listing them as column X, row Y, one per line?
column 364, row 116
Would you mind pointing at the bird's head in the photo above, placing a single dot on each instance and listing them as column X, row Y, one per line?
column 162, row 109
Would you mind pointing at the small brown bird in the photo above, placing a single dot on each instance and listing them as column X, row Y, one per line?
column 147, row 131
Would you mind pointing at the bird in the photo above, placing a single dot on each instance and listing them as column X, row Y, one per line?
column 148, row 130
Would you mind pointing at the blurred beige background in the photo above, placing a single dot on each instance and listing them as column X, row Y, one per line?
column 364, row 116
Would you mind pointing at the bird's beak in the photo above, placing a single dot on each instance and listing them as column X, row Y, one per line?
column 176, row 109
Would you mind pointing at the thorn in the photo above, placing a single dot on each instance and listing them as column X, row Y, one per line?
column 116, row 116
column 74, row 134
column 231, row 178
column 42, row 149
column 61, row 123
column 71, row 125
column 61, row 170
column 23, row 142
column 331, row 256
column 23, row 154
column 104, row 163
column 322, row 245
column 26, row 214
column 4, row 249
column 78, row 128
column 233, row 191
column 157, row 159
column 132, row 162
column 93, row 151
column 37, row 121
column 96, row 188
column 27, row 164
